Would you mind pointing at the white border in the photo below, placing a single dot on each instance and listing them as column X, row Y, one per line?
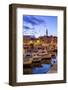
column 19, row 67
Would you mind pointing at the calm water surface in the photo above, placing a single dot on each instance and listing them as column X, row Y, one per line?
column 44, row 67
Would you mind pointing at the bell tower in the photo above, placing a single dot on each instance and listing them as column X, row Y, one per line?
column 46, row 32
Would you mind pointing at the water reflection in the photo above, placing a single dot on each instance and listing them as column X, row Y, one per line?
column 44, row 68
column 40, row 70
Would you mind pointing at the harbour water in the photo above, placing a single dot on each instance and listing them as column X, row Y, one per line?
column 44, row 68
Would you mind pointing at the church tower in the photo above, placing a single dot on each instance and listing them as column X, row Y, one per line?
column 46, row 32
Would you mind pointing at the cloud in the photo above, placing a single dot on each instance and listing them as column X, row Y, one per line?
column 34, row 20
column 27, row 27
column 31, row 24
column 38, row 19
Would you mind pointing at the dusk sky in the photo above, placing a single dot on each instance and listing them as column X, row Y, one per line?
column 36, row 25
